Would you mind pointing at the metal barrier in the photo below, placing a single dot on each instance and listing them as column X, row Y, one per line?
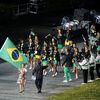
column 22, row 9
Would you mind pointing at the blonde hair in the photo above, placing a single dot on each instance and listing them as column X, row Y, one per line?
column 70, row 42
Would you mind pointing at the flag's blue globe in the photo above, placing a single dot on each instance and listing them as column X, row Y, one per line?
column 15, row 54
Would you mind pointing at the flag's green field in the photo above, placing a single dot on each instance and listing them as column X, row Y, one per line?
column 90, row 91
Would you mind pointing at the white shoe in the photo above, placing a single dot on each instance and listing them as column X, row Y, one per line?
column 30, row 68
column 76, row 77
column 72, row 71
column 97, row 78
column 83, row 83
column 56, row 74
column 53, row 75
column 65, row 81
column 90, row 80
column 45, row 73
column 70, row 79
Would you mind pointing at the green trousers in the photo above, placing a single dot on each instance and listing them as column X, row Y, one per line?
column 67, row 73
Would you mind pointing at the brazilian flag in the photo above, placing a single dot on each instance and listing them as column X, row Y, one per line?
column 11, row 54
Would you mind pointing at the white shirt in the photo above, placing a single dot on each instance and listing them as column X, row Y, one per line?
column 84, row 64
column 97, row 58
column 92, row 61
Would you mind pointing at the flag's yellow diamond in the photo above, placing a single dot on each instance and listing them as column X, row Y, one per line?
column 14, row 55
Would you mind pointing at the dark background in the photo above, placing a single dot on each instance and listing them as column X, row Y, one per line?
column 19, row 26
column 59, row 5
column 52, row 7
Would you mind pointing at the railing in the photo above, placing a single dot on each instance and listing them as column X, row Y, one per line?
column 28, row 8
column 21, row 9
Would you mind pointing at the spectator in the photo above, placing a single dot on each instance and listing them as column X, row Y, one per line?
column 91, row 67
column 84, row 65
column 98, row 64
